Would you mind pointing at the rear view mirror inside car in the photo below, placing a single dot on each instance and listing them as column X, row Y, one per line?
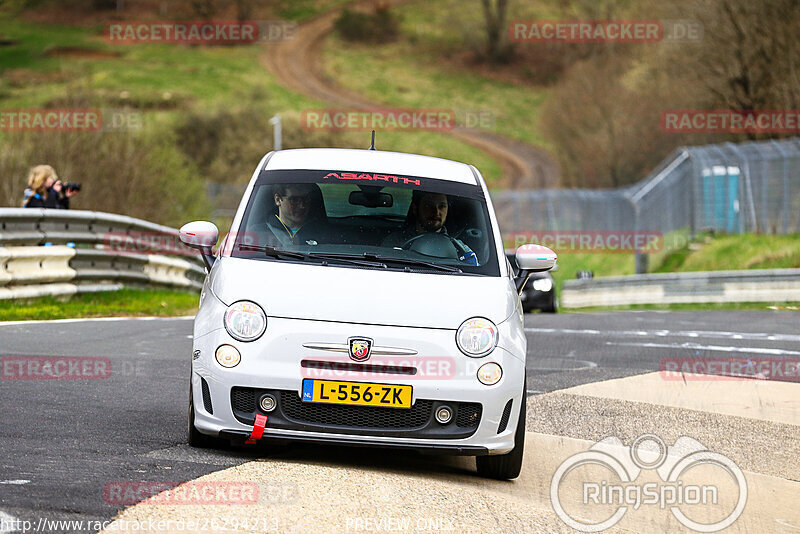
column 371, row 200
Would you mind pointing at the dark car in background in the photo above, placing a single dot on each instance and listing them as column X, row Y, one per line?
column 539, row 292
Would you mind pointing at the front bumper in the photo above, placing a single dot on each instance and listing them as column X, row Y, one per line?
column 427, row 448
column 225, row 400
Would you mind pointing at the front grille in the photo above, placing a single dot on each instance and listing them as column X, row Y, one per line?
column 243, row 399
column 355, row 416
column 469, row 414
column 206, row 396
column 417, row 421
column 506, row 415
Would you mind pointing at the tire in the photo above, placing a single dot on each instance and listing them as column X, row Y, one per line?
column 551, row 308
column 194, row 437
column 506, row 466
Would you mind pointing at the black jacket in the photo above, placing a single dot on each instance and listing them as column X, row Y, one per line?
column 54, row 200
column 310, row 233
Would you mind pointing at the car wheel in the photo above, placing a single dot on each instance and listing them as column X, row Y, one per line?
column 551, row 308
column 506, row 466
column 195, row 438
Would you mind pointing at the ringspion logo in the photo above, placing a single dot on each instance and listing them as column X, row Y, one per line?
column 591, row 491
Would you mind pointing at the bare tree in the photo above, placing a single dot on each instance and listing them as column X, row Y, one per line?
column 748, row 59
column 205, row 9
column 495, row 15
column 244, row 9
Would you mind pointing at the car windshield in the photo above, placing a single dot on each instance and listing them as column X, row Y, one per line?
column 368, row 220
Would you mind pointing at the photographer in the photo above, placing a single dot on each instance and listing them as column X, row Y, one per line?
column 45, row 190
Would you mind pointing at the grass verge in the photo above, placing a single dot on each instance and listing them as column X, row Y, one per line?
column 708, row 253
column 408, row 74
column 123, row 303
column 164, row 81
column 735, row 252
column 752, row 306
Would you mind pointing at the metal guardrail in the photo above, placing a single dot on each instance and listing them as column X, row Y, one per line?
column 761, row 285
column 106, row 253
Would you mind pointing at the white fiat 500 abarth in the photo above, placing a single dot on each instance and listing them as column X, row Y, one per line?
column 363, row 297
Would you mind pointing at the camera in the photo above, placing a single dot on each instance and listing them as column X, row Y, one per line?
column 72, row 186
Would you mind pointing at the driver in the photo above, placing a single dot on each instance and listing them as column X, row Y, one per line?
column 427, row 214
column 297, row 214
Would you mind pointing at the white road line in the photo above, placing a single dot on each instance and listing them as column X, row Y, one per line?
column 14, row 482
column 787, row 524
column 697, row 346
column 751, row 336
column 96, row 319
column 588, row 365
column 8, row 523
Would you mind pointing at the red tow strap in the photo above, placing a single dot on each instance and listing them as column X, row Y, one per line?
column 258, row 429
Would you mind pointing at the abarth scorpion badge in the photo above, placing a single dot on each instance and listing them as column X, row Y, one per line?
column 360, row 348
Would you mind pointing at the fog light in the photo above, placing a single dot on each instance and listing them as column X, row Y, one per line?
column 267, row 402
column 444, row 414
column 490, row 373
column 228, row 356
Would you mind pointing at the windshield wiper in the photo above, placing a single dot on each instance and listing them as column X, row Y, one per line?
column 278, row 253
column 348, row 258
column 274, row 252
column 404, row 261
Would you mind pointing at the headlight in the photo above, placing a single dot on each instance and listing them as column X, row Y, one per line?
column 245, row 320
column 227, row 356
column 477, row 337
column 543, row 284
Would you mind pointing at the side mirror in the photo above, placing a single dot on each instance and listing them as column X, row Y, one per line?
column 201, row 235
column 533, row 259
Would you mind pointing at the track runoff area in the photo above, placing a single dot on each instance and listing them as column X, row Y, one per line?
column 641, row 421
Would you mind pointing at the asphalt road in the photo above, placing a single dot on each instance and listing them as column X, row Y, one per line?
column 64, row 441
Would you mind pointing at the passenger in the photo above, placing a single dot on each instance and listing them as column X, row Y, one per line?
column 299, row 214
column 428, row 214
column 45, row 189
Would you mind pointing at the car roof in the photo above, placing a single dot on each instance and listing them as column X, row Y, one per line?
column 347, row 159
